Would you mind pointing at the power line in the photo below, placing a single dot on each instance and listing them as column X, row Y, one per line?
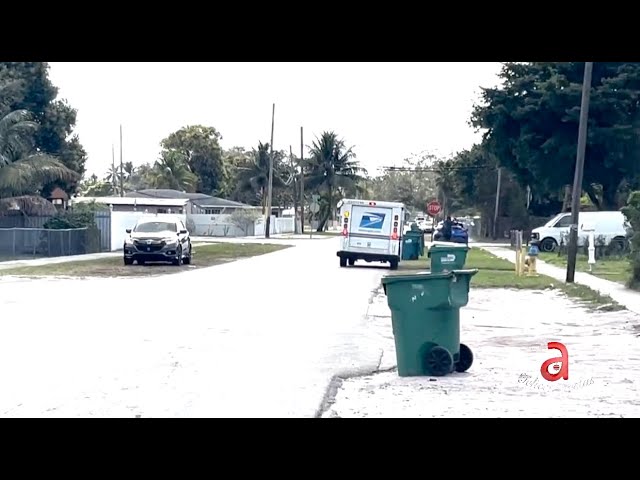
column 436, row 170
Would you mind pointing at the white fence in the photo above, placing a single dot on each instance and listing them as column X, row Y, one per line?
column 199, row 225
column 202, row 225
column 120, row 221
column 277, row 225
column 221, row 226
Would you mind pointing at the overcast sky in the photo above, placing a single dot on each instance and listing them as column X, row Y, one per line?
column 387, row 111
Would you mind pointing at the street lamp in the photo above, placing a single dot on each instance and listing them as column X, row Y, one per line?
column 577, row 179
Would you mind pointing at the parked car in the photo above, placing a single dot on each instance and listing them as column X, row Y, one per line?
column 158, row 239
column 424, row 223
column 459, row 234
column 611, row 227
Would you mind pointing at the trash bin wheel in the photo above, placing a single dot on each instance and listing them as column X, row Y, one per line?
column 343, row 262
column 439, row 361
column 466, row 359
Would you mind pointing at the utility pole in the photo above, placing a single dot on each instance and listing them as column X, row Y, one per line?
column 114, row 180
column 495, row 212
column 270, row 186
column 121, row 166
column 301, row 182
column 294, row 181
column 577, row 179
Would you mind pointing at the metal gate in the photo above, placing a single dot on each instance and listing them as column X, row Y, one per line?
column 103, row 222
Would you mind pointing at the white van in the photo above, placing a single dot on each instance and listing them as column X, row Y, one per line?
column 612, row 226
column 371, row 231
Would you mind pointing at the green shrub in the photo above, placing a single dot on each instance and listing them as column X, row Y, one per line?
column 85, row 238
column 632, row 213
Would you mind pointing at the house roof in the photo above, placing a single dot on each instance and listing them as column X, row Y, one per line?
column 199, row 199
column 165, row 193
column 58, row 194
column 142, row 201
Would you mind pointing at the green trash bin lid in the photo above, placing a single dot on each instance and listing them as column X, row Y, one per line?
column 449, row 246
column 418, row 276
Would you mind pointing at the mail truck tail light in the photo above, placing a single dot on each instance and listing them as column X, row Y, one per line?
column 394, row 235
column 345, row 232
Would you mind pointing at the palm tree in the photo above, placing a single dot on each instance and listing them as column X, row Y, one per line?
column 256, row 174
column 113, row 179
column 128, row 169
column 331, row 166
column 172, row 171
column 24, row 169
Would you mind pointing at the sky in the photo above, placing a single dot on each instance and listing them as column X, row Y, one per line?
column 386, row 111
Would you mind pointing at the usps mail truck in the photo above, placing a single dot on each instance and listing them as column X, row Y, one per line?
column 371, row 231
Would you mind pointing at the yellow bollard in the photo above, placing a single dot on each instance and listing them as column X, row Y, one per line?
column 532, row 267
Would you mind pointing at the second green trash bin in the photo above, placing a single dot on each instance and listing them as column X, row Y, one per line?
column 425, row 314
column 447, row 256
column 412, row 245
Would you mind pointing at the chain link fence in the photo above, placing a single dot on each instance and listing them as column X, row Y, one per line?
column 20, row 243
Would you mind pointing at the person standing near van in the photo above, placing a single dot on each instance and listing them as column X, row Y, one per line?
column 447, row 226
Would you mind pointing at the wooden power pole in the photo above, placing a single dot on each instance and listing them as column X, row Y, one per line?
column 270, row 186
column 497, row 207
column 294, row 181
column 577, row 179
column 301, row 181
column 114, row 180
column 121, row 166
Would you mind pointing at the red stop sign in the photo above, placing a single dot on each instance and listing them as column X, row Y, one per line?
column 433, row 208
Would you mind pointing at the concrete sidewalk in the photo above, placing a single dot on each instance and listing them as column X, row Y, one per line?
column 621, row 294
column 508, row 331
column 52, row 260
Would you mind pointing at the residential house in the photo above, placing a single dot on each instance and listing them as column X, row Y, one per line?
column 205, row 215
column 198, row 203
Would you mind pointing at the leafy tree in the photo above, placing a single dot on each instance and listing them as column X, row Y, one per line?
column 236, row 161
column 95, row 187
column 140, row 178
column 172, row 171
column 253, row 177
column 474, row 175
column 201, row 148
column 26, row 86
column 632, row 213
column 331, row 166
column 413, row 183
column 23, row 169
column 531, row 124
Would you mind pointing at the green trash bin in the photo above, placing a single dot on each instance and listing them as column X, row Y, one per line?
column 447, row 256
column 419, row 235
column 412, row 245
column 425, row 314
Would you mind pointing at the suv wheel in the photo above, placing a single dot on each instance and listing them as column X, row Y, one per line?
column 187, row 259
column 178, row 260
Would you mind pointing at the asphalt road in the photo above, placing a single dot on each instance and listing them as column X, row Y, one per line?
column 260, row 337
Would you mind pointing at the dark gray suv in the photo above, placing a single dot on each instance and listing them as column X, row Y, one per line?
column 158, row 239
